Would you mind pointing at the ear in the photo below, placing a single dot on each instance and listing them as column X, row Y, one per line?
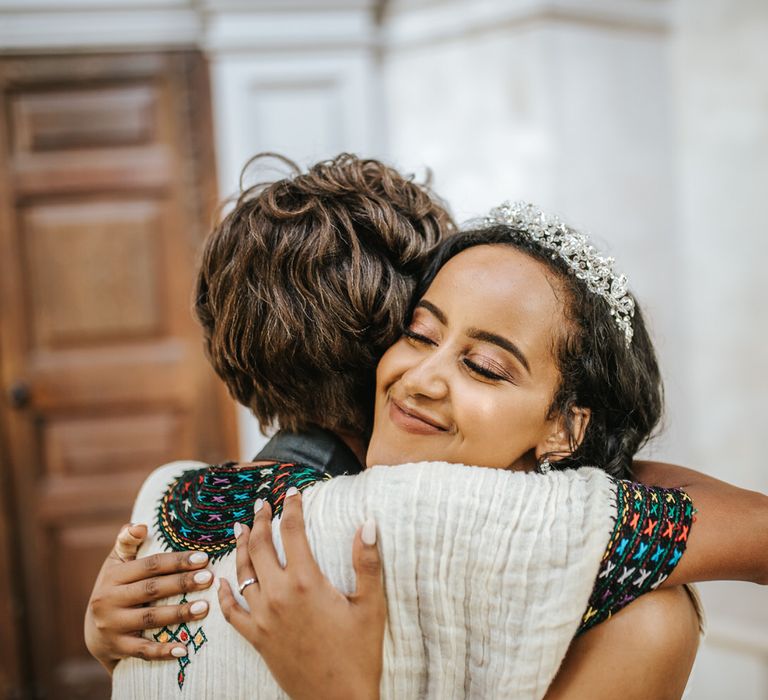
column 561, row 443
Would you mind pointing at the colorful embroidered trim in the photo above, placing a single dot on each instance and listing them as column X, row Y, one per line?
column 199, row 508
column 185, row 636
column 648, row 540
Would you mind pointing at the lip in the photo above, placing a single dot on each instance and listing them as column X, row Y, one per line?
column 412, row 421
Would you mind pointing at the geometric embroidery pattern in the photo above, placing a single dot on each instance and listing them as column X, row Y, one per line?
column 185, row 636
column 200, row 507
column 648, row 540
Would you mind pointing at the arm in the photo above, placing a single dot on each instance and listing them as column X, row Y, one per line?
column 645, row 651
column 115, row 617
column 296, row 616
column 729, row 540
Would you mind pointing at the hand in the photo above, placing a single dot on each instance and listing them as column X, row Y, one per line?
column 115, row 615
column 296, row 616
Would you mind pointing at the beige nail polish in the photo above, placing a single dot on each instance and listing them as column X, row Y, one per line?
column 258, row 505
column 368, row 534
column 237, row 528
column 179, row 651
column 199, row 606
column 292, row 491
column 198, row 557
column 202, row 576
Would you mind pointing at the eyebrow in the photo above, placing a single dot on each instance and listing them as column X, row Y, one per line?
column 477, row 334
column 437, row 313
column 502, row 342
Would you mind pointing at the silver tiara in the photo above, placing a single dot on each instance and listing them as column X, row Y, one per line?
column 578, row 254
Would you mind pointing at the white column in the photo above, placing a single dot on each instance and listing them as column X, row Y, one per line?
column 295, row 77
column 567, row 104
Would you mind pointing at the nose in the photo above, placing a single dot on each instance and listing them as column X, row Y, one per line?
column 427, row 379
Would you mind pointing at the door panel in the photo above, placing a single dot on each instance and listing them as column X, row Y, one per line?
column 82, row 291
column 83, row 118
column 104, row 199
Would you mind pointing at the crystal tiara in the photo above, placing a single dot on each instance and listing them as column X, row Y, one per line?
column 576, row 251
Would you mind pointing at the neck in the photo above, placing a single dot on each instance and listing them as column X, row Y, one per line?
column 355, row 443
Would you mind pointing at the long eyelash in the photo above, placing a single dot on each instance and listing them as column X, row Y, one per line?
column 408, row 333
column 482, row 371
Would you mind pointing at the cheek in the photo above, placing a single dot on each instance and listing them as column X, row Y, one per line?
column 393, row 363
column 478, row 409
column 499, row 427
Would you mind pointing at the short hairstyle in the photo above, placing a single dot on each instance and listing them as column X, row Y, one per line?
column 620, row 384
column 307, row 281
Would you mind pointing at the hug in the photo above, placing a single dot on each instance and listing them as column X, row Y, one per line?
column 451, row 505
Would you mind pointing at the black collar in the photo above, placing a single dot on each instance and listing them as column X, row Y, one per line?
column 315, row 447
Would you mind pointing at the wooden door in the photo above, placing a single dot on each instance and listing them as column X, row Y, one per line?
column 106, row 187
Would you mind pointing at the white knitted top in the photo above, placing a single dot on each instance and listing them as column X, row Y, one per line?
column 487, row 575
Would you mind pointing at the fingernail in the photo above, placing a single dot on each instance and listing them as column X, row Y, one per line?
column 198, row 558
column 369, row 532
column 199, row 606
column 217, row 584
column 179, row 651
column 292, row 491
column 237, row 528
column 258, row 505
column 202, row 576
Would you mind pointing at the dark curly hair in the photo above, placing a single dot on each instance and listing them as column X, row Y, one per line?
column 620, row 385
column 305, row 284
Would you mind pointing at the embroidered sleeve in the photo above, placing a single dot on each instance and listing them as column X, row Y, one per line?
column 199, row 508
column 648, row 540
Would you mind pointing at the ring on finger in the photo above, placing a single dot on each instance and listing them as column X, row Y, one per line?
column 246, row 583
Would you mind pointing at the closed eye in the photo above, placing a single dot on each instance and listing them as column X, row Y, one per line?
column 417, row 337
column 484, row 371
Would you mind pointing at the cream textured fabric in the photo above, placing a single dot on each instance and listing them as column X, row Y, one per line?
column 487, row 575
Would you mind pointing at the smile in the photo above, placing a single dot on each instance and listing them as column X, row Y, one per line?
column 412, row 421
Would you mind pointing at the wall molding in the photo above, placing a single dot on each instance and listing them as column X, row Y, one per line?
column 278, row 30
column 45, row 26
column 414, row 23
column 113, row 29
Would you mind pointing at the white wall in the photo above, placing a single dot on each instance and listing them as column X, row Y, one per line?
column 721, row 59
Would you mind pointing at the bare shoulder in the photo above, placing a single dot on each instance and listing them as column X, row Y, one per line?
column 666, row 619
column 645, row 650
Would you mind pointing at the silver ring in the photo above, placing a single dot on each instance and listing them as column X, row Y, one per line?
column 246, row 583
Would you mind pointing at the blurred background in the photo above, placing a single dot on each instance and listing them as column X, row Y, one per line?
column 644, row 122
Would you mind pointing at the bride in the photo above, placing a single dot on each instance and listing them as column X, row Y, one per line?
column 517, row 356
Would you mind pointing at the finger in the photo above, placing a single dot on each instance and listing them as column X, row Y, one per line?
column 367, row 564
column 140, row 619
column 128, row 541
column 244, row 566
column 148, row 650
column 158, row 565
column 233, row 613
column 294, row 535
column 158, row 587
column 261, row 549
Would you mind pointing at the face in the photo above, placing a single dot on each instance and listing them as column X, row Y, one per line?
column 473, row 377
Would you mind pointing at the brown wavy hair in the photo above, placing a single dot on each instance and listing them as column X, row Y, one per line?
column 307, row 281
